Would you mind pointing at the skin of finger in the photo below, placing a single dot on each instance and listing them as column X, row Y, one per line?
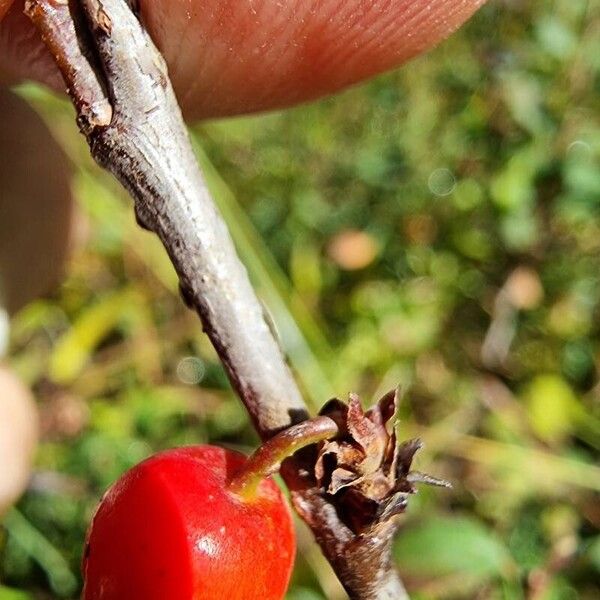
column 22, row 54
column 265, row 54
column 18, row 437
column 4, row 6
column 36, row 205
column 235, row 56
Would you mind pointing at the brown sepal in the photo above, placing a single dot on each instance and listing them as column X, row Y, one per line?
column 364, row 468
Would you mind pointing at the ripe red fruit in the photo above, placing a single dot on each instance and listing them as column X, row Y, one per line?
column 170, row 529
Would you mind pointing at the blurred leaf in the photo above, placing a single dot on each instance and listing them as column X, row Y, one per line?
column 555, row 37
column 559, row 589
column 570, row 317
column 550, row 407
column 582, row 174
column 526, row 541
column 512, row 188
column 593, row 553
column 468, row 195
column 9, row 594
column 299, row 594
column 473, row 243
column 520, row 229
column 450, row 545
column 60, row 577
column 74, row 349
column 525, row 100
column 305, row 269
column 537, row 470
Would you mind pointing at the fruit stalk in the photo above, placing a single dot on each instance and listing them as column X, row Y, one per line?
column 128, row 112
column 267, row 459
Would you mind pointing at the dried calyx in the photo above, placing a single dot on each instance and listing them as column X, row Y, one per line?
column 364, row 469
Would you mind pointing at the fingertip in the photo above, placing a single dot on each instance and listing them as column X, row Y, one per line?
column 22, row 54
column 228, row 57
column 18, row 437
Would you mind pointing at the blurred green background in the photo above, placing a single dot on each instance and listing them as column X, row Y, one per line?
column 438, row 228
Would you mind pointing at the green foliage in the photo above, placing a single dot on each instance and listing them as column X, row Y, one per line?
column 439, row 228
column 550, row 404
column 9, row 594
column 452, row 545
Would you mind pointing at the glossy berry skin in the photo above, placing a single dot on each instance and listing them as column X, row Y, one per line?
column 169, row 529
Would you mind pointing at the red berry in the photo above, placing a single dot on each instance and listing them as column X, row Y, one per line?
column 170, row 529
